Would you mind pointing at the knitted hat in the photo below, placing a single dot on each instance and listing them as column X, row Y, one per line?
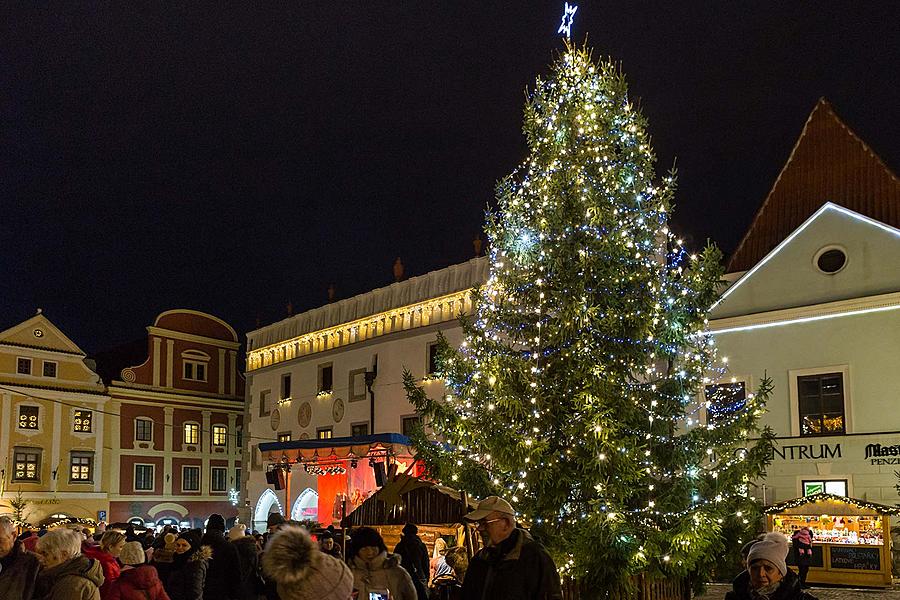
column 169, row 540
column 773, row 548
column 192, row 536
column 237, row 532
column 301, row 571
column 274, row 519
column 132, row 554
column 365, row 537
column 216, row 522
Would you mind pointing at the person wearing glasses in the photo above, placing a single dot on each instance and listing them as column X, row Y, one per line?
column 511, row 566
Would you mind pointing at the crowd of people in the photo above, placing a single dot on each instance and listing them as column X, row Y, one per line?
column 284, row 563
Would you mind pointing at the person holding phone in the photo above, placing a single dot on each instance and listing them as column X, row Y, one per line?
column 301, row 571
column 377, row 574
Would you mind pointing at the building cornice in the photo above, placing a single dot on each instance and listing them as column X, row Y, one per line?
column 154, row 397
column 806, row 314
column 43, row 349
column 440, row 309
column 190, row 337
column 27, row 389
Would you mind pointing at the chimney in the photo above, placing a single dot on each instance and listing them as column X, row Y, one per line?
column 476, row 244
column 290, row 308
column 398, row 269
column 330, row 292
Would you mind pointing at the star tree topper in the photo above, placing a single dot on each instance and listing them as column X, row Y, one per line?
column 567, row 18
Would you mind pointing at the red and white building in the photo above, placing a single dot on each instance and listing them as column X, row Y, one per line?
column 177, row 456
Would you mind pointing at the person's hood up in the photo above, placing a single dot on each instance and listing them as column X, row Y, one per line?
column 79, row 566
column 142, row 577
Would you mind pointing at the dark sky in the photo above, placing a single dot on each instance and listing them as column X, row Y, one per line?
column 232, row 160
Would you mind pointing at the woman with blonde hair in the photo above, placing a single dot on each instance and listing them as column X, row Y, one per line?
column 107, row 554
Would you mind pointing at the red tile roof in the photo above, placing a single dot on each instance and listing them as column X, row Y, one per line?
column 829, row 163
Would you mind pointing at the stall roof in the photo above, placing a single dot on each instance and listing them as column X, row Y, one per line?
column 407, row 499
column 832, row 499
column 357, row 446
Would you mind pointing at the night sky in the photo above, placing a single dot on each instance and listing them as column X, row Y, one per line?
column 231, row 161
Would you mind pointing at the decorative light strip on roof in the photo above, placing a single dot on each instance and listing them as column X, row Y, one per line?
column 421, row 314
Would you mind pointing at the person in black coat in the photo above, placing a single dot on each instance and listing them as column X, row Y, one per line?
column 251, row 581
column 187, row 573
column 767, row 576
column 414, row 558
column 223, row 581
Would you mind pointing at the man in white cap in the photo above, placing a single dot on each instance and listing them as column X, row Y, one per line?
column 511, row 566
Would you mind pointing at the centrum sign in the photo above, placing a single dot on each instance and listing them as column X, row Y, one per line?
column 883, row 455
column 807, row 452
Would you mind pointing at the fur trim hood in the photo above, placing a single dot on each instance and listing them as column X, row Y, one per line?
column 289, row 555
column 204, row 553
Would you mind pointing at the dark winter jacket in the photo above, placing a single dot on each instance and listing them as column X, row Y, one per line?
column 186, row 577
column 223, row 580
column 414, row 558
column 18, row 573
column 788, row 590
column 140, row 583
column 518, row 568
column 78, row 578
column 251, row 585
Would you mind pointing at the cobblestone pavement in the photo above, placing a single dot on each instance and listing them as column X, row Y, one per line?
column 717, row 591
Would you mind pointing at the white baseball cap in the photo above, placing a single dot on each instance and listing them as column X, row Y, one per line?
column 489, row 505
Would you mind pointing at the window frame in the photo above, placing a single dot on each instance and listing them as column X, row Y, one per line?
column 321, row 388
column 284, row 436
column 81, row 454
column 38, row 463
column 286, row 383
column 45, row 363
column 194, row 426
column 264, row 409
column 28, row 405
column 90, row 421
column 196, row 366
column 431, row 357
column 19, row 363
column 731, row 380
column 406, row 418
column 152, row 487
column 146, row 420
column 321, row 430
column 794, row 376
column 353, row 426
column 184, row 470
column 216, row 430
column 351, row 384
column 212, row 479
column 237, row 478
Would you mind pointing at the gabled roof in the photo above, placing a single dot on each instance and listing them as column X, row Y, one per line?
column 829, row 163
column 52, row 338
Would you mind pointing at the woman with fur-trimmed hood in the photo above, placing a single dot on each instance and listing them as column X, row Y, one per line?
column 303, row 572
column 375, row 569
column 187, row 573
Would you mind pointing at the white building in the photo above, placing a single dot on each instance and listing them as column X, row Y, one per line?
column 816, row 310
column 306, row 375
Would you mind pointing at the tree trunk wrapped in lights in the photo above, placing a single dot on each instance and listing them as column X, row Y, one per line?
column 574, row 394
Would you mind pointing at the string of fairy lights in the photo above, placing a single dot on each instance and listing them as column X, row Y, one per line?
column 584, row 266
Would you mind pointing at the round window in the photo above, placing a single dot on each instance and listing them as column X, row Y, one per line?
column 831, row 260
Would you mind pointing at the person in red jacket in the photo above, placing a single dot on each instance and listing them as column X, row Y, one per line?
column 137, row 581
column 107, row 554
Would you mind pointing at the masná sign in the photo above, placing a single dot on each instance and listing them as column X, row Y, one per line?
column 883, row 455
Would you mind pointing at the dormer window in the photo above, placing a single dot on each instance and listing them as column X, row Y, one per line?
column 195, row 365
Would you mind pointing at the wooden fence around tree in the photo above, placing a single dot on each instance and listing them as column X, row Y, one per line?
column 645, row 588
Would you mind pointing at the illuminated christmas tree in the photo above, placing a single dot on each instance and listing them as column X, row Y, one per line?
column 575, row 391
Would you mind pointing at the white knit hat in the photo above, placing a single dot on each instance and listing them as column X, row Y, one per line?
column 302, row 571
column 237, row 532
column 773, row 548
column 132, row 554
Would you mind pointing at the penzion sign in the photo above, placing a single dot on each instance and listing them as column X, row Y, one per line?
column 883, row 455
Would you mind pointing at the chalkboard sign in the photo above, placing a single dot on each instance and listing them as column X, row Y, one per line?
column 816, row 560
column 863, row 558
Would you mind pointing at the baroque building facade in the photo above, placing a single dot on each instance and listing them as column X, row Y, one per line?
column 53, row 425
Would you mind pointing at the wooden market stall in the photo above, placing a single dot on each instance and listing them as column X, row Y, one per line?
column 851, row 537
column 437, row 511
